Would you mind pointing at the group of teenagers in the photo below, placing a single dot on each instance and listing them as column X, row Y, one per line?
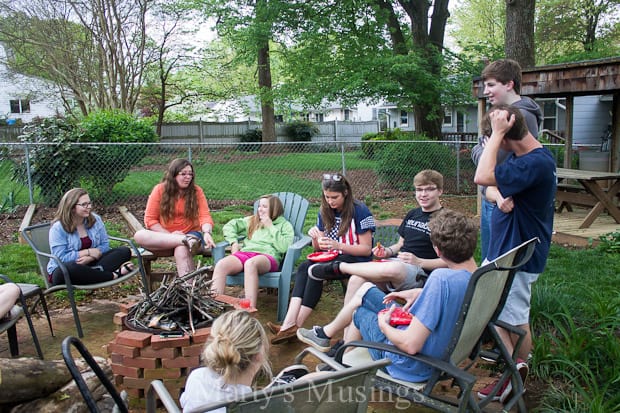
column 427, row 269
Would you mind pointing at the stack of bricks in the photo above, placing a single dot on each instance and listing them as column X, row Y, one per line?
column 138, row 358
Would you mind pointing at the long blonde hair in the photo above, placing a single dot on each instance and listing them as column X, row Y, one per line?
column 172, row 190
column 237, row 339
column 275, row 210
column 65, row 212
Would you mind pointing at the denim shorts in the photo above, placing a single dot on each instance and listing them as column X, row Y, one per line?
column 365, row 319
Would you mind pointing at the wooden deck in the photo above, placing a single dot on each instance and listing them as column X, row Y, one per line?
column 566, row 229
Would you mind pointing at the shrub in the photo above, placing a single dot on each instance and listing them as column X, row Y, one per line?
column 58, row 165
column 300, row 131
column 113, row 127
column 369, row 145
column 251, row 135
column 398, row 162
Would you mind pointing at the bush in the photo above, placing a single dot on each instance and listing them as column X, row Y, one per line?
column 113, row 127
column 251, row 135
column 300, row 131
column 58, row 165
column 55, row 163
column 369, row 145
column 398, row 162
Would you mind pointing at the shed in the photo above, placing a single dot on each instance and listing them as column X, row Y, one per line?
column 568, row 80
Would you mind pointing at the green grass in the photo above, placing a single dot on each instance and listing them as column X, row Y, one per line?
column 576, row 321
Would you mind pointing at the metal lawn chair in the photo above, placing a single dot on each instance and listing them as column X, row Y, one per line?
column 484, row 299
column 37, row 237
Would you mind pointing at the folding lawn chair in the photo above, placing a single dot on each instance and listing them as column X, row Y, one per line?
column 484, row 299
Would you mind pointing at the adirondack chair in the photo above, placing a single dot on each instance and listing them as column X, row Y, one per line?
column 295, row 210
column 120, row 399
column 484, row 299
column 345, row 390
column 37, row 237
column 17, row 312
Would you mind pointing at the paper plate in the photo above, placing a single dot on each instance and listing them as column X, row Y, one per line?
column 322, row 256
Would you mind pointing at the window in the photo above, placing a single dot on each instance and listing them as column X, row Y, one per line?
column 550, row 112
column 347, row 114
column 404, row 119
column 447, row 117
column 20, row 106
column 319, row 117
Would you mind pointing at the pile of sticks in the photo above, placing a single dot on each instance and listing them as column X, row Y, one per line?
column 182, row 305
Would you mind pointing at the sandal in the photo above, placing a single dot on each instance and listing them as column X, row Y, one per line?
column 193, row 244
column 124, row 269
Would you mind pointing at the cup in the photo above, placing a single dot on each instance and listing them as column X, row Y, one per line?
column 244, row 302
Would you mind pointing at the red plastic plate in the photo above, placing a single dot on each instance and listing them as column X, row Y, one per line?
column 322, row 256
column 399, row 317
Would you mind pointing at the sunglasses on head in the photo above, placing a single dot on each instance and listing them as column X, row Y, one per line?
column 332, row 177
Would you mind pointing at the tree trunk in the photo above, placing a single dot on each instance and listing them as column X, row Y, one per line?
column 266, row 97
column 26, row 379
column 519, row 41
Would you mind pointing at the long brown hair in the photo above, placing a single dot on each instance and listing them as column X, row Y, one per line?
column 275, row 210
column 337, row 183
column 65, row 213
column 172, row 191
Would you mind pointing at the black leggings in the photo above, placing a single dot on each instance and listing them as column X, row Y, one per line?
column 310, row 290
column 96, row 272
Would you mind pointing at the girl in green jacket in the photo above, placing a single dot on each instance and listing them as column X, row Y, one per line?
column 267, row 237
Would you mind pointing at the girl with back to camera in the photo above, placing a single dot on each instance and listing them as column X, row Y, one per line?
column 237, row 351
column 79, row 239
column 345, row 225
column 177, row 217
column 267, row 237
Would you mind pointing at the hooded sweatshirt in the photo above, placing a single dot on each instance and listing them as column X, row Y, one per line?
column 273, row 241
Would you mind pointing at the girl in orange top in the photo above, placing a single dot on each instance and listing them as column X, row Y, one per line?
column 177, row 217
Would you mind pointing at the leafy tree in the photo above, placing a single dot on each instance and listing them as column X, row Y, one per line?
column 371, row 49
column 92, row 50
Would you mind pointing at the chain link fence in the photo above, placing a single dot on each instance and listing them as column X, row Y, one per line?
column 230, row 174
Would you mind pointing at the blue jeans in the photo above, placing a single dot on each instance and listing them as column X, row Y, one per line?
column 485, row 226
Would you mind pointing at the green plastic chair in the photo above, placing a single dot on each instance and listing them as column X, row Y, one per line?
column 37, row 237
column 295, row 211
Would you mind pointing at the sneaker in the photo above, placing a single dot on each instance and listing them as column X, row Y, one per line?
column 332, row 351
column 506, row 390
column 327, row 271
column 491, row 355
column 312, row 338
column 288, row 375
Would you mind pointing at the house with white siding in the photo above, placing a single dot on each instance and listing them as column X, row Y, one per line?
column 25, row 98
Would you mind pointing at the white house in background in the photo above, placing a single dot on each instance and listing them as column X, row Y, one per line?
column 26, row 98
column 591, row 115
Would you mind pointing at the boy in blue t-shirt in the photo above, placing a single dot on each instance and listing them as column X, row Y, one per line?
column 528, row 177
column 435, row 308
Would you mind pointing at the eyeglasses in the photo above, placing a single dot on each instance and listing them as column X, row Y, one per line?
column 332, row 177
column 426, row 190
column 85, row 204
column 190, row 174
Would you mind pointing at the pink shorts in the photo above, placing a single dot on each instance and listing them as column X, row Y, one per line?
column 243, row 256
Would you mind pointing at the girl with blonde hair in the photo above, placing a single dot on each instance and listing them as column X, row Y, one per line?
column 267, row 237
column 235, row 354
